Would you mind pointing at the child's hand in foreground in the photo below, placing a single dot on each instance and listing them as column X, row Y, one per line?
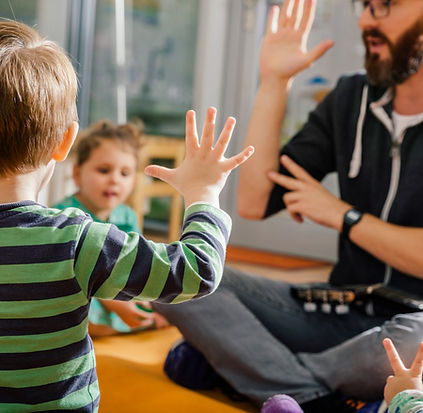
column 204, row 171
column 130, row 313
column 158, row 321
column 403, row 379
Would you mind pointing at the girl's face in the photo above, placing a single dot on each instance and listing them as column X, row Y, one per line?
column 106, row 179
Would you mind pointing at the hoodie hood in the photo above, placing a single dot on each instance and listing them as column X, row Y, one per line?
column 378, row 110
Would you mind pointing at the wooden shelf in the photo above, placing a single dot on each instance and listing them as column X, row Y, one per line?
column 159, row 147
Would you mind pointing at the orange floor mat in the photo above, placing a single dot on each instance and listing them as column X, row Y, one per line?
column 132, row 380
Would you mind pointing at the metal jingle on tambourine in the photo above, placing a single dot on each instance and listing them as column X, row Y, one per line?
column 326, row 308
column 342, row 309
column 310, row 307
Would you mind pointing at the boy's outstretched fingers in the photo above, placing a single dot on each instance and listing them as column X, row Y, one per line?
column 207, row 136
column 239, row 159
column 203, row 173
column 224, row 137
column 160, row 172
column 191, row 136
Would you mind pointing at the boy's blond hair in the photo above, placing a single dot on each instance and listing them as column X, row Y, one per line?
column 38, row 88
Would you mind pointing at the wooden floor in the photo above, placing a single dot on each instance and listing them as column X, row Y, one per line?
column 301, row 275
column 278, row 266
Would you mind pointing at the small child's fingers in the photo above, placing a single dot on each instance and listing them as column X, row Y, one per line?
column 160, row 321
column 393, row 356
column 208, row 130
column 144, row 323
column 224, row 137
column 159, row 172
column 146, row 315
column 239, row 159
column 191, row 136
column 417, row 367
column 144, row 304
column 389, row 378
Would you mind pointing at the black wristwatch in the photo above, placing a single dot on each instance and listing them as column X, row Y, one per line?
column 351, row 217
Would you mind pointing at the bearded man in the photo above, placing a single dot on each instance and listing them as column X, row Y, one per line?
column 369, row 130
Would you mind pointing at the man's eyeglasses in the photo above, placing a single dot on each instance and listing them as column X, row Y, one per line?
column 378, row 8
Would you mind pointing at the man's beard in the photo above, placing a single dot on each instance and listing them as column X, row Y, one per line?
column 406, row 57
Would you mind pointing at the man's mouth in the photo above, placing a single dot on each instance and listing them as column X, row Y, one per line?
column 374, row 44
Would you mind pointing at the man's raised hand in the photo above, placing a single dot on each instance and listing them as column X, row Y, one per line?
column 284, row 48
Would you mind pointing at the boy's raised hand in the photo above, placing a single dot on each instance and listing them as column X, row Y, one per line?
column 403, row 379
column 204, row 171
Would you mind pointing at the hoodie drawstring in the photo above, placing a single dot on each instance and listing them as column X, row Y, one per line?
column 355, row 163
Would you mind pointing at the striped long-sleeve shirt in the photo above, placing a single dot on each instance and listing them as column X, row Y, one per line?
column 52, row 262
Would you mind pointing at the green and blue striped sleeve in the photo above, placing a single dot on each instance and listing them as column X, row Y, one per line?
column 112, row 264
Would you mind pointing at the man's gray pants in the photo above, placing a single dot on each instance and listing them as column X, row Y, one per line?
column 260, row 339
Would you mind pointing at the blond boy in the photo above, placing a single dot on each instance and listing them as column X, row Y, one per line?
column 52, row 262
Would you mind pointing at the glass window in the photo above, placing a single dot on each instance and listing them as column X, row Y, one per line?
column 143, row 62
column 21, row 10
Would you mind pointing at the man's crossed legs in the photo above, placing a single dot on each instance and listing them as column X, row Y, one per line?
column 261, row 341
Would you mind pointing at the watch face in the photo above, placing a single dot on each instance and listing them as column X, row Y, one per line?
column 352, row 216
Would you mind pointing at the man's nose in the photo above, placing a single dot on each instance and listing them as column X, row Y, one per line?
column 366, row 20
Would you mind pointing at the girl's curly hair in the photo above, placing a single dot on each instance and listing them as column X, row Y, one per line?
column 129, row 136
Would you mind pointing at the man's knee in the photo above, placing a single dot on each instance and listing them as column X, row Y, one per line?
column 406, row 331
column 406, row 326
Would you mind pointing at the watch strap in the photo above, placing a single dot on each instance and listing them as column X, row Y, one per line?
column 351, row 217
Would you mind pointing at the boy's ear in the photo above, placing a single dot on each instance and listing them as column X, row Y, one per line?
column 67, row 141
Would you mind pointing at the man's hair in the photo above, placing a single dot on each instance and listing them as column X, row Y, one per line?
column 38, row 88
column 128, row 137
